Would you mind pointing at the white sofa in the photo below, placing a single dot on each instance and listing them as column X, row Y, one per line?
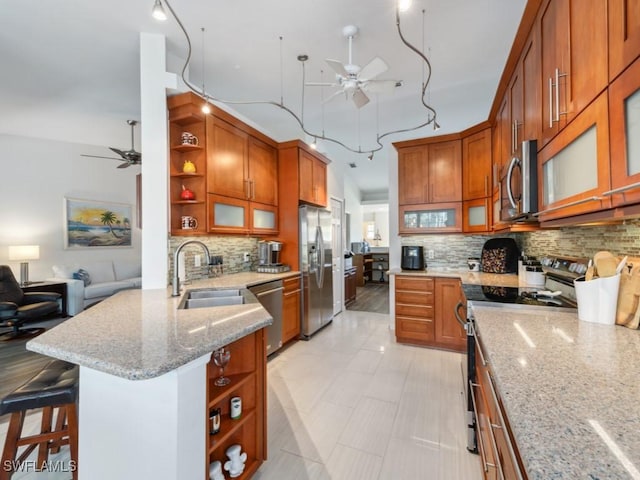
column 107, row 278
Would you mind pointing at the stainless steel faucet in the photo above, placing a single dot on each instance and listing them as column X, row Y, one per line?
column 176, row 280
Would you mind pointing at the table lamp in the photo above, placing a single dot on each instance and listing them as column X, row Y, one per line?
column 22, row 253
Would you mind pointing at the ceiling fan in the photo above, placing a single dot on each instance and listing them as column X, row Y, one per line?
column 129, row 157
column 353, row 80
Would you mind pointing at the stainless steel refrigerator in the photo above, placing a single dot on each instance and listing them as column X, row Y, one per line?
column 316, row 267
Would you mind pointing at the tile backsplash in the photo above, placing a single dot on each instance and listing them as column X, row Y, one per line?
column 230, row 247
column 452, row 250
column 583, row 242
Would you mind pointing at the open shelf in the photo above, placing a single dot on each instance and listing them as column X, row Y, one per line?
column 186, row 147
column 184, row 202
column 187, row 175
column 228, row 427
column 219, row 393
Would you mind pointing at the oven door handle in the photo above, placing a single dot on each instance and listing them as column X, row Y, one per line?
column 456, row 312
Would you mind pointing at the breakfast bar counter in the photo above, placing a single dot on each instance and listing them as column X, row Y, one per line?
column 144, row 380
column 569, row 389
column 465, row 276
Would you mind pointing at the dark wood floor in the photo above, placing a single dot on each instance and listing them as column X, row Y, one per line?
column 373, row 297
column 17, row 364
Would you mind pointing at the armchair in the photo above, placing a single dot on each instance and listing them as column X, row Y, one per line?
column 17, row 307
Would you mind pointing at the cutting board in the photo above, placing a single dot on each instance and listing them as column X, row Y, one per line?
column 628, row 311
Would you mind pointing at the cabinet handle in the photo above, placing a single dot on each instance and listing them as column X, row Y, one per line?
column 475, row 337
column 485, row 464
column 621, row 189
column 550, row 102
column 512, row 454
column 486, row 185
column 557, row 95
column 253, row 190
column 513, row 136
column 570, row 204
column 495, row 448
column 456, row 312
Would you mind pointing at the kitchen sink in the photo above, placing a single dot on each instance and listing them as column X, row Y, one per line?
column 213, row 297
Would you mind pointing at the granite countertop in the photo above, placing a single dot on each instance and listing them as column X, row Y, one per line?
column 141, row 334
column 467, row 277
column 570, row 391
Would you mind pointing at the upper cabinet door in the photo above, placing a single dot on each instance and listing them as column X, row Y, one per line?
column 476, row 165
column 624, row 118
column 531, row 87
column 624, row 35
column 227, row 159
column 313, row 179
column 574, row 59
column 445, row 172
column 263, row 172
column 413, row 175
column 320, row 182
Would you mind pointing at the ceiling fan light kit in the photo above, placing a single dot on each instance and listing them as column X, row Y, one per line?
column 353, row 81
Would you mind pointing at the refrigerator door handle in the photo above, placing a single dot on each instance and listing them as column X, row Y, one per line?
column 320, row 249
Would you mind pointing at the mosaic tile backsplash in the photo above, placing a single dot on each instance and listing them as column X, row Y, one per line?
column 230, row 247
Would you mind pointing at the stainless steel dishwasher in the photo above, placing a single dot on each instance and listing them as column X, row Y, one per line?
column 270, row 297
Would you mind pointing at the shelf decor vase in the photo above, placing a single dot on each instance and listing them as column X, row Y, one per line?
column 187, row 194
column 188, row 167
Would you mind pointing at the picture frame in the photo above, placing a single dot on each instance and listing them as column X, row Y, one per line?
column 90, row 224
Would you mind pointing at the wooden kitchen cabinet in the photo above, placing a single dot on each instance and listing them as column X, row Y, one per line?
column 313, row 179
column 476, row 165
column 349, row 286
column 574, row 166
column 499, row 454
column 414, row 304
column 476, row 215
column 448, row 331
column 624, row 35
column 291, row 304
column 430, row 173
column 574, row 46
column 231, row 215
column 247, row 372
column 240, row 165
column 425, row 312
column 624, row 123
column 363, row 263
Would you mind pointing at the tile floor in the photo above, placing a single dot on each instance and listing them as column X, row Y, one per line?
column 352, row 404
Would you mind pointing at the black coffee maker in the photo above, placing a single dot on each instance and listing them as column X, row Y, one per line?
column 412, row 258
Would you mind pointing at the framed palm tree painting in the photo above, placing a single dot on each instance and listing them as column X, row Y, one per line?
column 94, row 224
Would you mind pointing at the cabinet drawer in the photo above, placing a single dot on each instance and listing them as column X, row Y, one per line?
column 414, row 298
column 421, row 311
column 417, row 284
column 414, row 328
column 291, row 284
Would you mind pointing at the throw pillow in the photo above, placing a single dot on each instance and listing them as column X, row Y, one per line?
column 84, row 276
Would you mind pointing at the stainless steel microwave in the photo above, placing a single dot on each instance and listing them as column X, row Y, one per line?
column 519, row 198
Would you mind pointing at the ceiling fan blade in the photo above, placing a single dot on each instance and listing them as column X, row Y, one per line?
column 119, row 152
column 360, row 98
column 337, row 67
column 100, row 156
column 380, row 86
column 334, row 95
column 372, row 69
column 320, row 84
column 124, row 165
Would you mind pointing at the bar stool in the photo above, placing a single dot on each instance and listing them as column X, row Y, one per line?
column 54, row 388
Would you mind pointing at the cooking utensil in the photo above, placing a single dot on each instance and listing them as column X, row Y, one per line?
column 590, row 272
column 621, row 265
column 606, row 264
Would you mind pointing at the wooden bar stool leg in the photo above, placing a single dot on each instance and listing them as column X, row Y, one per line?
column 11, row 445
column 45, row 427
column 60, row 424
column 72, row 426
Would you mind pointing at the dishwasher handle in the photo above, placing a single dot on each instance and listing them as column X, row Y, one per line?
column 268, row 292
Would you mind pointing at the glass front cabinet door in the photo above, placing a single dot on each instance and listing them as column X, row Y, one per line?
column 624, row 117
column 431, row 218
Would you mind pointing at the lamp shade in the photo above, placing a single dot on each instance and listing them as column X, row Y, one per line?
column 24, row 252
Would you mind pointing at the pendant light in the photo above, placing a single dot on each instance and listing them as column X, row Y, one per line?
column 158, row 11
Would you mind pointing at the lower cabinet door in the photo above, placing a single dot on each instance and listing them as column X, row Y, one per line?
column 412, row 329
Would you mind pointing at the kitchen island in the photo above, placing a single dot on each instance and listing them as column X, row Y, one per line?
column 569, row 390
column 144, row 385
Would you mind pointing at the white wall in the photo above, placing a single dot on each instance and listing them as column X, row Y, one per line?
column 354, row 208
column 36, row 176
